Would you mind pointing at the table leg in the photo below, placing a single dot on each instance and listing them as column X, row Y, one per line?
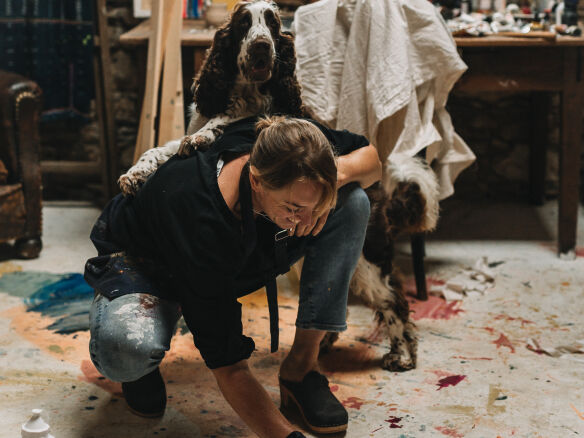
column 540, row 105
column 571, row 147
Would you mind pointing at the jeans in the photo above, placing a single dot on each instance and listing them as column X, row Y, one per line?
column 131, row 333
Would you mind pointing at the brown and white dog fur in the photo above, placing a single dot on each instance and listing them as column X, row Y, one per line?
column 249, row 70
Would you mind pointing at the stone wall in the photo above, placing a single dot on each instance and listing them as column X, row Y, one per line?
column 497, row 127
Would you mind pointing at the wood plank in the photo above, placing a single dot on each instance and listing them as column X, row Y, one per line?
column 171, row 116
column 79, row 168
column 193, row 33
column 146, row 132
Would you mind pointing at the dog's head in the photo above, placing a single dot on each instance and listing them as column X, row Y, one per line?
column 256, row 26
column 251, row 47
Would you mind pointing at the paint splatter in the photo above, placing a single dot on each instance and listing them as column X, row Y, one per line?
column 450, row 381
column 434, row 308
column 394, row 422
column 353, row 403
column 494, row 395
column 502, row 341
column 449, row 432
column 64, row 297
column 511, row 318
column 580, row 414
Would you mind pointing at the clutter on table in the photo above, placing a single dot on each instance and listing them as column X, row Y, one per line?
column 525, row 19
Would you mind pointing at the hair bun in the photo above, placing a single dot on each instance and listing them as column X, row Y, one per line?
column 267, row 121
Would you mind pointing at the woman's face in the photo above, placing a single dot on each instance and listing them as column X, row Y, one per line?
column 292, row 205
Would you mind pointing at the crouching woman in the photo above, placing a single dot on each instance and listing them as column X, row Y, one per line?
column 208, row 229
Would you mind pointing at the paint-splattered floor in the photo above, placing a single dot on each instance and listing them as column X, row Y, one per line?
column 482, row 371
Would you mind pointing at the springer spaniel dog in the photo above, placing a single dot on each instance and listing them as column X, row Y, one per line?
column 250, row 69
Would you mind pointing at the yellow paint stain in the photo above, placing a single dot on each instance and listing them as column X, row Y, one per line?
column 9, row 267
column 494, row 392
column 32, row 326
column 580, row 414
column 40, row 378
column 56, row 349
column 456, row 409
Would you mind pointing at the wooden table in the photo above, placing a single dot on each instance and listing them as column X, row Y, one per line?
column 540, row 67
column 495, row 64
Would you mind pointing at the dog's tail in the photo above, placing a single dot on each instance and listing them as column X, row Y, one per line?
column 413, row 188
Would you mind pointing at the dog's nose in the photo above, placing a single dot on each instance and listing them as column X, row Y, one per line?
column 260, row 46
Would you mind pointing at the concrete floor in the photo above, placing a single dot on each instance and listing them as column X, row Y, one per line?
column 476, row 376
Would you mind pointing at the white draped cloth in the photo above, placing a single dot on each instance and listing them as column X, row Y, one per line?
column 384, row 69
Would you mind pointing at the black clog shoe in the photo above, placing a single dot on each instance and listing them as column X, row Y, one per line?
column 146, row 396
column 320, row 409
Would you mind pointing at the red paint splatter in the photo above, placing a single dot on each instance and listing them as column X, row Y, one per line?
column 511, row 318
column 490, row 329
column 579, row 252
column 393, row 422
column 450, row 381
column 449, row 432
column 379, row 428
column 334, row 388
column 434, row 308
column 502, row 341
column 353, row 402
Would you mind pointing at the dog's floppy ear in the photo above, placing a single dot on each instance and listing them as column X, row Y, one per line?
column 212, row 86
column 283, row 85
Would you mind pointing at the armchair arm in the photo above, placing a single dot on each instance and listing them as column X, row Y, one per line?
column 20, row 107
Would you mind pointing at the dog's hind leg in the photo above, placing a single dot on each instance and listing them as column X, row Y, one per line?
column 384, row 294
column 413, row 190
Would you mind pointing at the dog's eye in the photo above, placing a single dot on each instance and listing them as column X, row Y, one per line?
column 272, row 21
column 243, row 24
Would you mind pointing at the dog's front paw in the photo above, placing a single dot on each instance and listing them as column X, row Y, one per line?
column 195, row 142
column 407, row 207
column 129, row 184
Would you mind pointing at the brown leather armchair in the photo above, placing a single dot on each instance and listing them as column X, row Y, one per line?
column 20, row 174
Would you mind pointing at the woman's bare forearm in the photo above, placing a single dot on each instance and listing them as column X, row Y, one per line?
column 251, row 402
column 362, row 166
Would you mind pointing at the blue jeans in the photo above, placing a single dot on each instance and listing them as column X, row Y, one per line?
column 131, row 333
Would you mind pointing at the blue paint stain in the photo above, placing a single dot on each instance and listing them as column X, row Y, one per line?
column 64, row 297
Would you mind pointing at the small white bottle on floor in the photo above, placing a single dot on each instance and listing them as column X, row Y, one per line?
column 36, row 427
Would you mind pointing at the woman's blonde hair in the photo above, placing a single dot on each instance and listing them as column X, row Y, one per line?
column 290, row 149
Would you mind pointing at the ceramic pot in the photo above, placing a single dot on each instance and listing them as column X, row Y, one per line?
column 216, row 14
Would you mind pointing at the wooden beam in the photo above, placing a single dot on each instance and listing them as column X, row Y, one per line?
column 146, row 131
column 171, row 123
column 90, row 169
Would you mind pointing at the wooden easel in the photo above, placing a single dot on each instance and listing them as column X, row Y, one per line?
column 164, row 49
